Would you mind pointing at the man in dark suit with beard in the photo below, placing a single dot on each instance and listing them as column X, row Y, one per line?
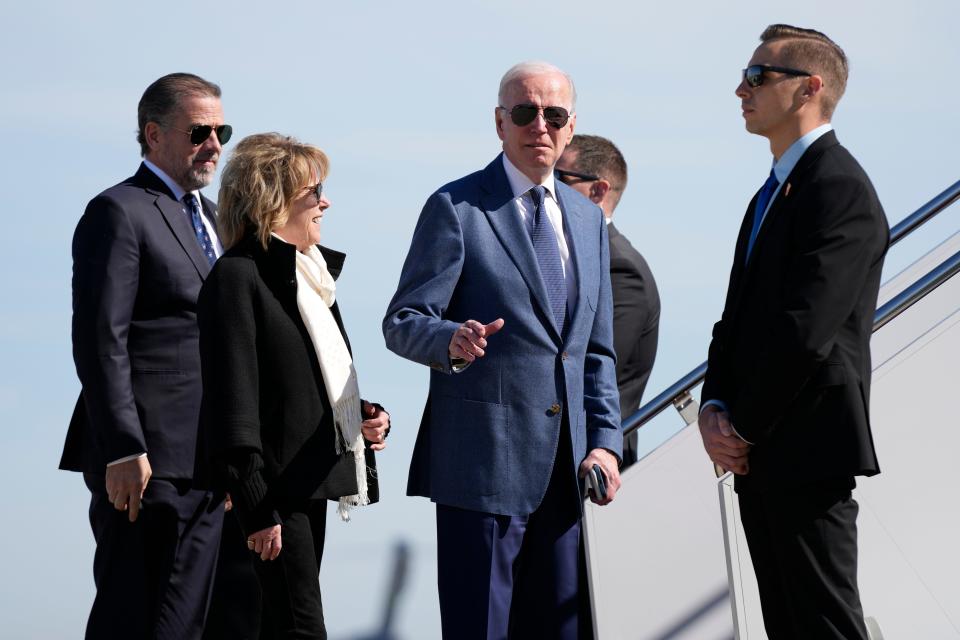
column 595, row 167
column 787, row 387
column 141, row 251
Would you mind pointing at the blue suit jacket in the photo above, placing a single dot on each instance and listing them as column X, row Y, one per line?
column 489, row 434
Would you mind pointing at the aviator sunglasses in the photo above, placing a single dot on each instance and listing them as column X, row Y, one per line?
column 753, row 75
column 200, row 132
column 523, row 114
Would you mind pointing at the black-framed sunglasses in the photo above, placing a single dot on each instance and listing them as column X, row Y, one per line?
column 572, row 177
column 753, row 74
column 523, row 114
column 200, row 132
column 316, row 190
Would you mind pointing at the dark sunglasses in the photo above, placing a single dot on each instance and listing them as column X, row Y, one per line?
column 200, row 132
column 571, row 177
column 316, row 190
column 523, row 114
column 753, row 74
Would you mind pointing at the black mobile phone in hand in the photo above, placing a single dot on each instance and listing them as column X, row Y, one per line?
column 597, row 482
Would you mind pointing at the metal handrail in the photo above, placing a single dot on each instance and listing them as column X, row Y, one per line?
column 943, row 200
column 906, row 298
column 678, row 394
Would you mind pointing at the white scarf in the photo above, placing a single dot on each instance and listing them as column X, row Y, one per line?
column 316, row 293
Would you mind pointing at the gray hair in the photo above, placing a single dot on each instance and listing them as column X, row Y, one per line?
column 534, row 68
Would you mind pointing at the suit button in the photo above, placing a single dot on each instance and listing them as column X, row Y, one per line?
column 554, row 409
column 564, row 355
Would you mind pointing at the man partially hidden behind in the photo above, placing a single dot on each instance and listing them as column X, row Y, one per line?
column 788, row 380
column 141, row 251
column 505, row 294
column 595, row 167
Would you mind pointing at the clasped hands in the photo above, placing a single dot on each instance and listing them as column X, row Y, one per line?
column 376, row 425
column 725, row 448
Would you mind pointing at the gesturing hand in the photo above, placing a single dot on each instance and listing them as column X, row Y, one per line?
column 469, row 340
column 126, row 482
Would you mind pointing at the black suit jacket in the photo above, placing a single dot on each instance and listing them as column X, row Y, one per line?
column 636, row 319
column 137, row 271
column 790, row 355
column 267, row 432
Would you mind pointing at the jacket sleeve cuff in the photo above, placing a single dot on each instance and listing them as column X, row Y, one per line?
column 250, row 492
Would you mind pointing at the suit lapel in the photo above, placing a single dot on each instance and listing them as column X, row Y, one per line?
column 498, row 205
column 176, row 218
column 793, row 185
column 781, row 205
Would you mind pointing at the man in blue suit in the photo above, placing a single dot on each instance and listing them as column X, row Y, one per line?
column 505, row 295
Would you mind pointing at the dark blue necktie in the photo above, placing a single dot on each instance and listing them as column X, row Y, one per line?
column 766, row 192
column 203, row 239
column 548, row 256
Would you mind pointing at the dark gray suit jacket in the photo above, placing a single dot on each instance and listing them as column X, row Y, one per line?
column 636, row 319
column 636, row 326
column 137, row 271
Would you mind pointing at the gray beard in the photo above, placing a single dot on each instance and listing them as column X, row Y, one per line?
column 194, row 180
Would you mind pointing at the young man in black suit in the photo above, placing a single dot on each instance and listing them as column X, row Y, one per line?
column 595, row 167
column 787, row 388
column 141, row 251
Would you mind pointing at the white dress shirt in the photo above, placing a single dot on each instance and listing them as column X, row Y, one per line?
column 521, row 185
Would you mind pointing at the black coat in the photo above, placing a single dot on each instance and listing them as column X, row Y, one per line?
column 137, row 270
column 636, row 319
column 791, row 354
column 267, row 431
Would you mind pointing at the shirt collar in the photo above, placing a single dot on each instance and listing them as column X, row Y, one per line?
column 520, row 184
column 792, row 155
column 174, row 188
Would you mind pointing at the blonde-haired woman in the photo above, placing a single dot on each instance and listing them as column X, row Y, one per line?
column 284, row 428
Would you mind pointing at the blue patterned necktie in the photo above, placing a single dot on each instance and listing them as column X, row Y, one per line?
column 548, row 256
column 203, row 239
column 766, row 192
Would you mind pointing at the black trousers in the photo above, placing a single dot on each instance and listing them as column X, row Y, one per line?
column 803, row 543
column 153, row 576
column 292, row 607
column 236, row 601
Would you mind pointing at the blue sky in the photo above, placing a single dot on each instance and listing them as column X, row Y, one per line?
column 401, row 97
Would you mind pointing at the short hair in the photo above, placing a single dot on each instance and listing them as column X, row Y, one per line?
column 813, row 51
column 600, row 157
column 534, row 68
column 262, row 176
column 162, row 98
